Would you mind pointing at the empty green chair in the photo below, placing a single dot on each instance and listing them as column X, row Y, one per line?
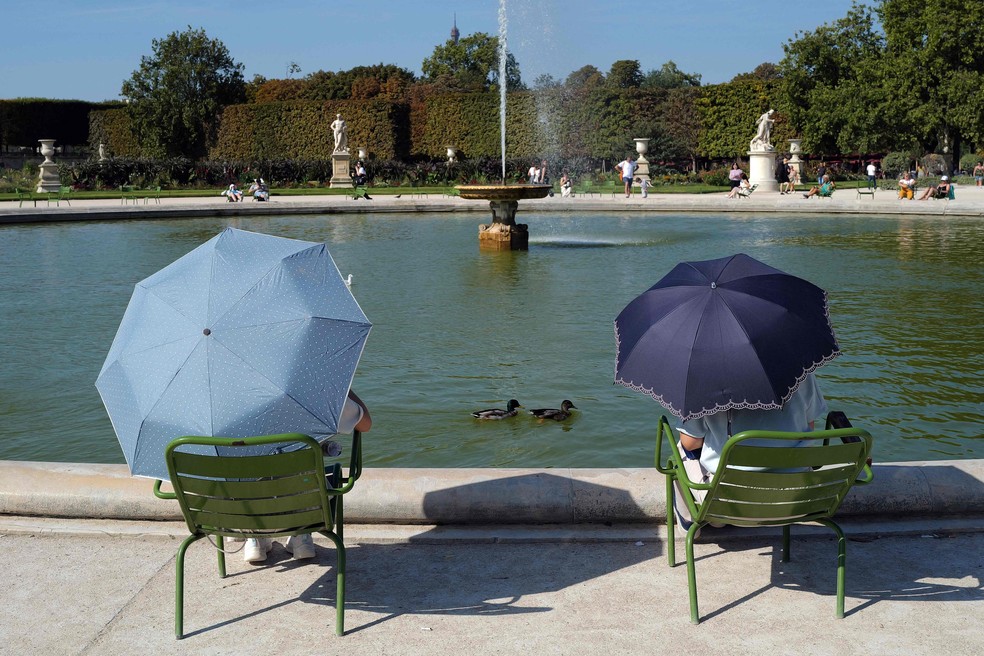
column 775, row 485
column 224, row 494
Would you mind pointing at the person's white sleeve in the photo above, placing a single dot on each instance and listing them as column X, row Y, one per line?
column 351, row 415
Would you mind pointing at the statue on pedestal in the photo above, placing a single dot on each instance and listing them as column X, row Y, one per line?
column 340, row 130
column 761, row 141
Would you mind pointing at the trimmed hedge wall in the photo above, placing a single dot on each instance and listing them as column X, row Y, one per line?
column 300, row 129
column 111, row 128
column 24, row 121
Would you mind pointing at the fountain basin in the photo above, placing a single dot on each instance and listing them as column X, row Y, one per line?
column 503, row 192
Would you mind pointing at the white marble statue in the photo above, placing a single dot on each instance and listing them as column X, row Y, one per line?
column 761, row 140
column 340, row 130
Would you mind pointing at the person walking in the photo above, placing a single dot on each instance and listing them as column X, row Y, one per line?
column 627, row 168
column 872, row 172
column 979, row 173
column 734, row 175
column 782, row 176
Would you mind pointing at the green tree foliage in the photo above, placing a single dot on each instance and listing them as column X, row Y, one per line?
column 668, row 76
column 586, row 77
column 178, row 92
column 942, row 45
column 625, row 74
column 471, row 64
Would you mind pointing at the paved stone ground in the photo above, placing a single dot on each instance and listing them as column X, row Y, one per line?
column 912, row 588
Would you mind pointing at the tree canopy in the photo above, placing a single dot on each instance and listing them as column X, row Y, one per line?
column 471, row 64
column 177, row 94
column 668, row 76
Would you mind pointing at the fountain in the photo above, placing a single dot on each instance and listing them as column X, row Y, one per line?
column 503, row 234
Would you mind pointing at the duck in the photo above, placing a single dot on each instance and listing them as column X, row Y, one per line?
column 498, row 413
column 553, row 413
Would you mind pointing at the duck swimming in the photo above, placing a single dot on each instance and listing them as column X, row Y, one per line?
column 553, row 413
column 497, row 413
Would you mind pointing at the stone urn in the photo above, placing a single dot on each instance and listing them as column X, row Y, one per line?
column 642, row 147
column 48, row 179
column 452, row 151
column 363, row 154
column 795, row 149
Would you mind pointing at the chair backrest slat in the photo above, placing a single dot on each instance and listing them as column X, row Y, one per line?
column 286, row 523
column 776, row 495
column 265, row 506
column 786, row 456
column 768, row 511
column 804, row 478
column 278, row 464
column 250, row 489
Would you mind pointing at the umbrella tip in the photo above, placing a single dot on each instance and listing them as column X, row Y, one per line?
column 206, row 332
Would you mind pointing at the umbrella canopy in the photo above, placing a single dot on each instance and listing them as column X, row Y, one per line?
column 721, row 334
column 248, row 334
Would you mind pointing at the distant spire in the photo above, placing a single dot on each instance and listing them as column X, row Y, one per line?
column 454, row 29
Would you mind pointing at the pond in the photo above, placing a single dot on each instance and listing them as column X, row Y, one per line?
column 457, row 330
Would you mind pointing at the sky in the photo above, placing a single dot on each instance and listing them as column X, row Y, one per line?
column 85, row 49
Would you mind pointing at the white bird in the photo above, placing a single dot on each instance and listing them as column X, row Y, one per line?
column 348, row 281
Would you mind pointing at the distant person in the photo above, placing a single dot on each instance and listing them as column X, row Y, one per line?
column 782, row 176
column 794, row 178
column 361, row 177
column 821, row 171
column 644, row 185
column 566, row 186
column 743, row 188
column 942, row 190
column 907, row 186
column 979, row 173
column 544, row 177
column 233, row 194
column 627, row 168
column 734, row 175
column 825, row 188
column 533, row 175
column 872, row 172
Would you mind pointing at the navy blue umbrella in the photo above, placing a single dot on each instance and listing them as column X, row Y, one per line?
column 721, row 334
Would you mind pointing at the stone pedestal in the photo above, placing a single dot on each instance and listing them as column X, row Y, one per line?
column 340, row 171
column 48, row 180
column 642, row 146
column 504, row 234
column 762, row 170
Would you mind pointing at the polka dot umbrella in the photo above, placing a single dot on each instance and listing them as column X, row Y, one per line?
column 248, row 334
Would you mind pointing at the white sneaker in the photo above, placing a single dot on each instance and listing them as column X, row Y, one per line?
column 256, row 549
column 302, row 546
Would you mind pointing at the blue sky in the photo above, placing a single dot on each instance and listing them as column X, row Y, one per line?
column 84, row 49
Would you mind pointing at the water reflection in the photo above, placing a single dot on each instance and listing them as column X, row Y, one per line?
column 456, row 329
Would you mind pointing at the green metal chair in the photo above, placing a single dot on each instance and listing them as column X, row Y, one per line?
column 774, row 485
column 246, row 496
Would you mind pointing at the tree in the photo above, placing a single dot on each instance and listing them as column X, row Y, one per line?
column 668, row 76
column 178, row 93
column 471, row 64
column 625, row 74
column 586, row 77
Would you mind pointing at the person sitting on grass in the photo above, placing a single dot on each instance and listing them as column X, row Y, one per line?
column 942, row 190
column 826, row 188
column 742, row 188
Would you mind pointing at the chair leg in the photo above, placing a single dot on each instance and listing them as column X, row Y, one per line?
column 692, row 574
column 221, row 552
column 339, row 582
column 785, row 543
column 670, row 524
column 179, row 585
column 841, row 564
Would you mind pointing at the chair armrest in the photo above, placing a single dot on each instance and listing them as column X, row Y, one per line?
column 837, row 419
column 355, row 467
column 162, row 495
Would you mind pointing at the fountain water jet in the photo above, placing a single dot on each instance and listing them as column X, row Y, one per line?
column 503, row 234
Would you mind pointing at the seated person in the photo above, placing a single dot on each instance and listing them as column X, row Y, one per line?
column 701, row 440
column 742, row 188
column 360, row 178
column 565, row 185
column 942, row 190
column 233, row 193
column 826, row 188
column 907, row 186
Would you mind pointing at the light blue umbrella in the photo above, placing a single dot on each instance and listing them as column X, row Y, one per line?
column 248, row 334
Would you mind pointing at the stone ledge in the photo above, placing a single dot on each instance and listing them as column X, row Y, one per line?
column 480, row 496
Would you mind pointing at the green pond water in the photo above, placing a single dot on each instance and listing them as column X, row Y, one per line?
column 457, row 330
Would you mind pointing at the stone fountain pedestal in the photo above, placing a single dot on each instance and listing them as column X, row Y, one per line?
column 503, row 234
